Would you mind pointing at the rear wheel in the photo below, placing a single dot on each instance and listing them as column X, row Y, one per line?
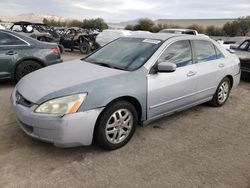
column 116, row 125
column 84, row 48
column 222, row 93
column 25, row 68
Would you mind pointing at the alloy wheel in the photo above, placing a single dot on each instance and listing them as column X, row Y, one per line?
column 223, row 92
column 119, row 126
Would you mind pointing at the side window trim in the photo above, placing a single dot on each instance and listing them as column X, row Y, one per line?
column 217, row 51
column 25, row 42
column 194, row 57
column 153, row 67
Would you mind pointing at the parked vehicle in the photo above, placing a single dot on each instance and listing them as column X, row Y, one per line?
column 108, row 35
column 132, row 80
column 60, row 30
column 237, row 42
column 180, row 31
column 243, row 52
column 77, row 38
column 38, row 31
column 20, row 55
column 2, row 27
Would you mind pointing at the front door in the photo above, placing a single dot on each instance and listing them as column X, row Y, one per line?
column 168, row 92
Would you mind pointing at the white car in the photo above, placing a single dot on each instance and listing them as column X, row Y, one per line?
column 109, row 35
column 2, row 27
column 133, row 80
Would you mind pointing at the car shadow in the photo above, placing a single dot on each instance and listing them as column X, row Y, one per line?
column 7, row 84
column 245, row 77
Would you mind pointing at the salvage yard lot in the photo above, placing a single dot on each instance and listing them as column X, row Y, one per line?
column 200, row 147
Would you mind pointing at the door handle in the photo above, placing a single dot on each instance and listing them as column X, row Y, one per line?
column 11, row 53
column 191, row 73
column 221, row 65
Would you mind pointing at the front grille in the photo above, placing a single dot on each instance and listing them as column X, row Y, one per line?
column 22, row 101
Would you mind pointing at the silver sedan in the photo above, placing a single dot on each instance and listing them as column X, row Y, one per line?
column 131, row 81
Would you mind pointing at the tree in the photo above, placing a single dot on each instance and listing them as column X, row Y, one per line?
column 145, row 24
column 95, row 24
column 244, row 26
column 231, row 29
column 74, row 23
column 129, row 27
column 214, row 31
column 196, row 27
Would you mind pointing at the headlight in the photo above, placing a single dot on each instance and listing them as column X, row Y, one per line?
column 63, row 105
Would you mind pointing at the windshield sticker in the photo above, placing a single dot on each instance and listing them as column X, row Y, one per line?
column 151, row 41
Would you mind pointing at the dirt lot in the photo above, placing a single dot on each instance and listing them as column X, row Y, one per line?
column 200, row 147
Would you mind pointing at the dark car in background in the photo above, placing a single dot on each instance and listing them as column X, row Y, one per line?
column 20, row 55
column 243, row 52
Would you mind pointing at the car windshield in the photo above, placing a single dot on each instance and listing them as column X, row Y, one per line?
column 125, row 53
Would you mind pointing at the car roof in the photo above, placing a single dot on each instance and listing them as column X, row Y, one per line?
column 22, row 23
column 158, row 36
column 166, row 36
column 178, row 30
column 20, row 35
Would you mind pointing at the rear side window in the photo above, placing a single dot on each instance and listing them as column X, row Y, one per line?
column 219, row 53
column 204, row 51
column 178, row 53
column 7, row 39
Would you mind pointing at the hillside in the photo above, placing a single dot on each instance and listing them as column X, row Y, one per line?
column 32, row 17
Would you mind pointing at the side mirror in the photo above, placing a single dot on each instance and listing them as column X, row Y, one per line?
column 166, row 67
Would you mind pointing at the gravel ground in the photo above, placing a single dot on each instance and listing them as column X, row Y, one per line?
column 200, row 147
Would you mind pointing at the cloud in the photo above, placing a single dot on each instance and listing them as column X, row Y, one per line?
column 122, row 10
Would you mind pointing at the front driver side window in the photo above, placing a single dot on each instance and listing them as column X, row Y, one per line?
column 178, row 53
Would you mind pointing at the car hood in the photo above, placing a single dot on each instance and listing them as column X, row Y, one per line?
column 43, row 82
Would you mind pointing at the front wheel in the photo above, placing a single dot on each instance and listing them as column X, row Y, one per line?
column 116, row 125
column 222, row 93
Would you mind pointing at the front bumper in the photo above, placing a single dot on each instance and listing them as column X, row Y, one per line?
column 68, row 131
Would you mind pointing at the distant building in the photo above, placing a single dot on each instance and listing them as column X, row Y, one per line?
column 202, row 22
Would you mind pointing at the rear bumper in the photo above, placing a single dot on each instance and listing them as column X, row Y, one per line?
column 68, row 131
column 54, row 62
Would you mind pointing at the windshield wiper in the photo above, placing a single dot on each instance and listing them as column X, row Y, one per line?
column 107, row 65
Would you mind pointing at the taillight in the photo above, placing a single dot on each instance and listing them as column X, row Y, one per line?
column 56, row 51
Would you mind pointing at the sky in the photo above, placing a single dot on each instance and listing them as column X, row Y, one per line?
column 124, row 10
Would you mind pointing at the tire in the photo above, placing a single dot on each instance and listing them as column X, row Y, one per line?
column 25, row 68
column 96, row 46
column 222, row 93
column 42, row 39
column 62, row 49
column 85, row 48
column 110, row 135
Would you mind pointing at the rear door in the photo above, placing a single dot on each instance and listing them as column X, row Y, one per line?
column 168, row 92
column 10, row 46
column 211, row 64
